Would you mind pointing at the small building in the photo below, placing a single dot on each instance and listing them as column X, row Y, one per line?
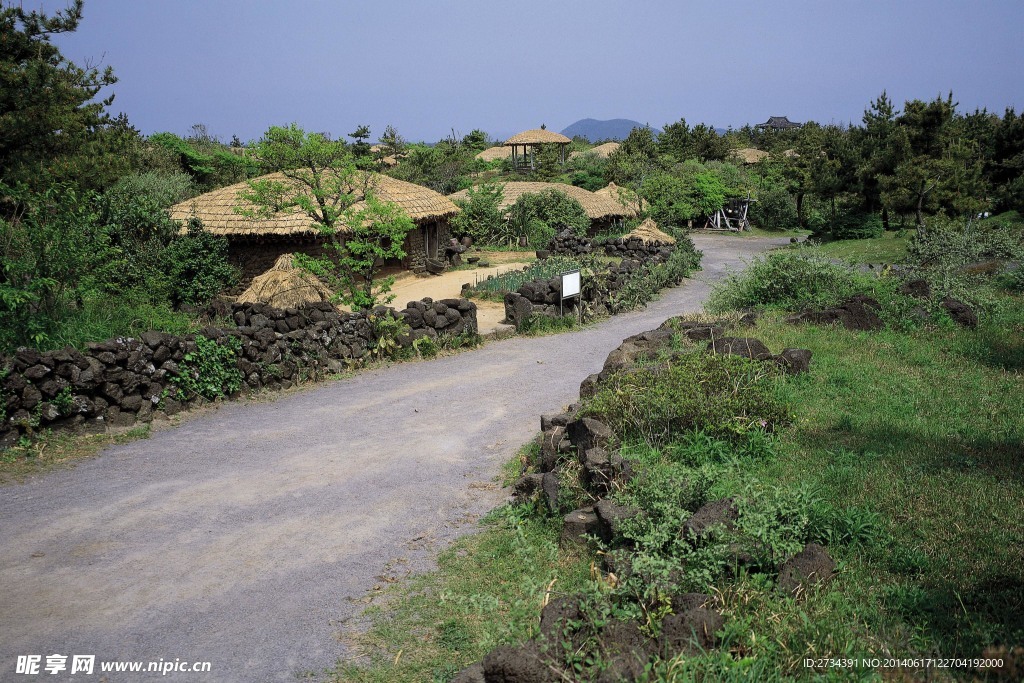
column 625, row 197
column 524, row 146
column 748, row 155
column 254, row 244
column 495, row 153
column 601, row 151
column 602, row 211
column 778, row 123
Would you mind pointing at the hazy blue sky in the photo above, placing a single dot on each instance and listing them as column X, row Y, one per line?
column 429, row 66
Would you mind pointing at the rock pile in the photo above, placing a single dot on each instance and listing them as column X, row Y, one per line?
column 122, row 381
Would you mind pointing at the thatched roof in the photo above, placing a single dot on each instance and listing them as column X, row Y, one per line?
column 537, row 136
column 285, row 286
column 749, row 155
column 604, row 151
column 595, row 205
column 217, row 209
column 623, row 196
column 648, row 232
column 495, row 153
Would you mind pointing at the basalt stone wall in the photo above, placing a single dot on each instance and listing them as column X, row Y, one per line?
column 568, row 244
column 122, row 381
column 636, row 248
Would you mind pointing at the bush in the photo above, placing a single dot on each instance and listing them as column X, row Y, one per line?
column 643, row 285
column 481, row 216
column 723, row 396
column 210, row 371
column 791, row 279
column 774, row 210
column 197, row 265
column 540, row 215
column 854, row 225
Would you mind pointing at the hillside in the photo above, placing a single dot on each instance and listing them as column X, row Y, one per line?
column 613, row 129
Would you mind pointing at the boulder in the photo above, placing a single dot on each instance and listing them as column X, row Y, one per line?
column 747, row 347
column 962, row 314
column 474, row 673
column 690, row 632
column 518, row 664
column 794, row 361
column 610, row 516
column 718, row 513
column 577, row 524
column 586, row 433
column 808, row 568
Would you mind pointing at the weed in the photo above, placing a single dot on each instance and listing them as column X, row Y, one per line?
column 210, row 371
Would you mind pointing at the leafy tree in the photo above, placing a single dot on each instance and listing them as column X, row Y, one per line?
column 197, row 265
column 477, row 140
column 391, row 144
column 635, row 159
column 361, row 148
column 774, row 209
column 539, row 216
column 50, row 245
column 481, row 217
column 48, row 105
column 318, row 179
column 668, row 199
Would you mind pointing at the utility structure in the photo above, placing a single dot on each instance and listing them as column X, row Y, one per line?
column 732, row 216
column 524, row 146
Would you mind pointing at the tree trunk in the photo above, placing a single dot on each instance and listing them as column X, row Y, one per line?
column 885, row 219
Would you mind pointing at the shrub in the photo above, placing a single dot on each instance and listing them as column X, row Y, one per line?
column 197, row 265
column 540, row 215
column 853, row 225
column 774, row 210
column 481, row 216
column 724, row 396
column 791, row 279
column 210, row 371
column 643, row 285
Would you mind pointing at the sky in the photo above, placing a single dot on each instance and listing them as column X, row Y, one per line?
column 429, row 67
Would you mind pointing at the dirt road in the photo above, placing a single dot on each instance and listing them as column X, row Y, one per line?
column 249, row 536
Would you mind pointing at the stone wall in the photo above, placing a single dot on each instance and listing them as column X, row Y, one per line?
column 636, row 248
column 122, row 381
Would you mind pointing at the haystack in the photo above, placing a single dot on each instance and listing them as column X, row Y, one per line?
column 285, row 286
column 749, row 155
column 648, row 232
column 623, row 196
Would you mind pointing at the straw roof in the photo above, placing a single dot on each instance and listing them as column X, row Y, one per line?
column 623, row 196
column 495, row 153
column 648, row 232
column 217, row 209
column 604, row 151
column 596, row 206
column 537, row 136
column 285, row 286
column 749, row 155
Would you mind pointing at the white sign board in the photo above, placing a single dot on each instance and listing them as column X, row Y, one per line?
column 571, row 284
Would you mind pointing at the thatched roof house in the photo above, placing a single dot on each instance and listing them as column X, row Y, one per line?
column 524, row 145
column 255, row 243
column 603, row 151
column 602, row 211
column 494, row 153
column 749, row 155
column 285, row 286
column 623, row 196
column 648, row 232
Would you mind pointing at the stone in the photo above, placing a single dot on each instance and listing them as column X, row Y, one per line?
column 30, row 397
column 717, row 513
column 918, row 289
column 590, row 386
column 549, row 449
column 684, row 602
column 746, row 347
column 625, row 650
column 962, row 314
column 858, row 313
column 600, row 469
column 704, row 333
column 586, row 433
column 795, row 361
column 808, row 568
column 577, row 524
column 518, row 664
column 690, row 632
column 610, row 516
column 474, row 673
column 557, row 617
column 549, row 487
column 131, row 403
column 36, row 372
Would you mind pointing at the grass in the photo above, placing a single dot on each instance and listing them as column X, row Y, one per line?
column 906, row 448
column 891, row 247
column 59, row 449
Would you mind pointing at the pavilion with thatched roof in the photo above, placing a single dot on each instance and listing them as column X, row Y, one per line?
column 524, row 146
column 254, row 244
column 601, row 210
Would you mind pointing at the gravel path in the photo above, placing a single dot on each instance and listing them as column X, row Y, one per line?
column 249, row 536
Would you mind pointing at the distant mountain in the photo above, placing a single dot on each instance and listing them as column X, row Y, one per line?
column 594, row 130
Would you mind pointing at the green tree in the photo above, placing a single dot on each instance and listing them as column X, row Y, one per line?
column 197, row 265
column 391, row 145
column 481, row 217
column 539, row 216
column 361, row 151
column 316, row 177
column 48, row 105
column 635, row 159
